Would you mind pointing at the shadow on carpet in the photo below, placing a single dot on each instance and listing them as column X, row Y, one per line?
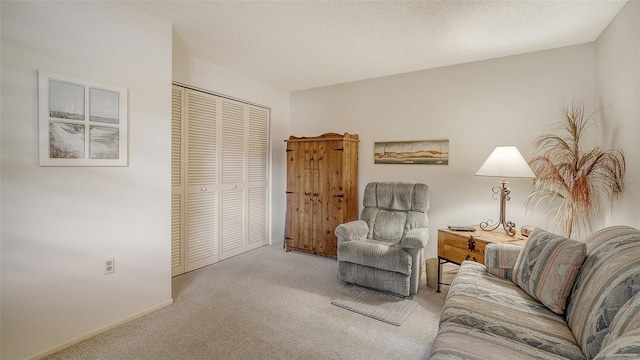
column 381, row 306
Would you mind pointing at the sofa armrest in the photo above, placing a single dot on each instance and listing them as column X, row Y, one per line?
column 500, row 259
column 354, row 230
column 416, row 238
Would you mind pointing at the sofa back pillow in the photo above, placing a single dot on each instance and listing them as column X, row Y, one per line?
column 626, row 320
column 623, row 340
column 625, row 347
column 547, row 267
column 608, row 278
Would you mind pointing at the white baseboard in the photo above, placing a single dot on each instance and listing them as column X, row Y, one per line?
column 99, row 331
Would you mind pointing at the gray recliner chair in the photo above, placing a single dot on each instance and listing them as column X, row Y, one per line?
column 384, row 249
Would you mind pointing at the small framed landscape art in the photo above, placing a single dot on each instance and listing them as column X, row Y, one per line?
column 81, row 122
column 429, row 152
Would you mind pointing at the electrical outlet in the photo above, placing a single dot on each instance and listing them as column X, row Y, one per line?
column 109, row 266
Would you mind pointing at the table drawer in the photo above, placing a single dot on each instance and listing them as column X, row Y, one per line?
column 458, row 255
column 460, row 247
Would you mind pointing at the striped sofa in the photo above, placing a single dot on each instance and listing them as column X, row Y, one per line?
column 487, row 315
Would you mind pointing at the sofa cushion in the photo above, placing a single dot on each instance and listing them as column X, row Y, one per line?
column 460, row 342
column 547, row 267
column 389, row 226
column 609, row 277
column 376, row 254
column 501, row 308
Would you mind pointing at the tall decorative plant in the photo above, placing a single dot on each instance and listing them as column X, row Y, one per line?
column 578, row 180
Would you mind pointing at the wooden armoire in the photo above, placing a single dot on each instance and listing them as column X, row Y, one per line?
column 322, row 191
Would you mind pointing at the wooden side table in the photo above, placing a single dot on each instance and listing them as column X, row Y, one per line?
column 458, row 246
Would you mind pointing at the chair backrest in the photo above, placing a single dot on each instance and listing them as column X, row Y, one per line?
column 393, row 208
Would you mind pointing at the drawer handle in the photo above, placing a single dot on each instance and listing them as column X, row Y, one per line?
column 468, row 257
column 471, row 244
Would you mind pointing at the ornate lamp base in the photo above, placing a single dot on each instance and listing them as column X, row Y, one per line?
column 509, row 226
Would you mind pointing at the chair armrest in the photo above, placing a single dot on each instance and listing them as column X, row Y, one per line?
column 354, row 230
column 416, row 238
column 500, row 259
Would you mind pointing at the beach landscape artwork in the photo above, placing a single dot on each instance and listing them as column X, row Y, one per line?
column 82, row 122
column 425, row 152
column 104, row 106
column 66, row 141
column 66, row 101
column 104, row 142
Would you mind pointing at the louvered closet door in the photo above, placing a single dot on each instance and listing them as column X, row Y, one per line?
column 233, row 189
column 177, row 193
column 244, row 174
column 258, row 195
column 201, row 245
column 220, row 173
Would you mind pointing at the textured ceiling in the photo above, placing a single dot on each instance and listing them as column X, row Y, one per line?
column 296, row 45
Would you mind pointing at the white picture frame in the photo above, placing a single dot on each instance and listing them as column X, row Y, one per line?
column 81, row 122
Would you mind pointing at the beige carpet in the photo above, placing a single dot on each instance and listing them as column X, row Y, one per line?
column 265, row 304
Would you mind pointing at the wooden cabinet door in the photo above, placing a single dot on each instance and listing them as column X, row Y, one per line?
column 299, row 195
column 306, row 210
column 330, row 196
column 291, row 228
column 318, row 197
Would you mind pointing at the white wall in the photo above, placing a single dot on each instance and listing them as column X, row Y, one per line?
column 477, row 106
column 617, row 68
column 60, row 223
column 205, row 75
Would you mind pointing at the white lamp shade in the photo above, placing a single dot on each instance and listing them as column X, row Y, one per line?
column 506, row 162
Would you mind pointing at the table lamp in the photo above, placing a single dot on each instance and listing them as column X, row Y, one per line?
column 504, row 162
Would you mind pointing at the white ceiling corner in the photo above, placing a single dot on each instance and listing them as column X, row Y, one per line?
column 296, row 45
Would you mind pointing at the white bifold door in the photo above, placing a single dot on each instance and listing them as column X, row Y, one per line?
column 220, row 166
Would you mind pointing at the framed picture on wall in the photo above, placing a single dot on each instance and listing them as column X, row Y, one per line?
column 81, row 122
column 426, row 152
